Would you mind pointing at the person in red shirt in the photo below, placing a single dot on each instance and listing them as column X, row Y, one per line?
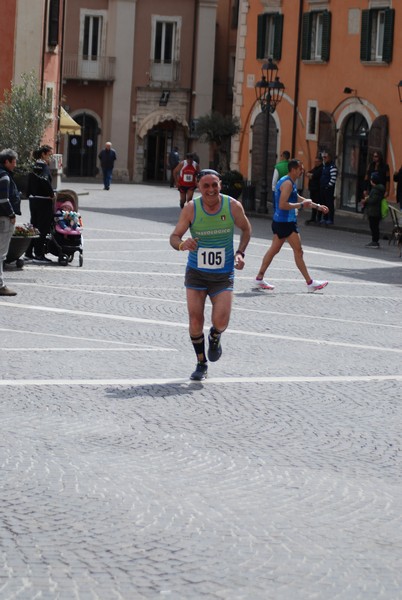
column 185, row 175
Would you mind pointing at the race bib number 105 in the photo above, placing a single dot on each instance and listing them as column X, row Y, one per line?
column 210, row 258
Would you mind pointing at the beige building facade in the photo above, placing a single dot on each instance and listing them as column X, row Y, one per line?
column 139, row 73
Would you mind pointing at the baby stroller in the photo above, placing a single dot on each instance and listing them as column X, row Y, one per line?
column 65, row 238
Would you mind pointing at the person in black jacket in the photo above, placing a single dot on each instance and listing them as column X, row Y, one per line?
column 9, row 207
column 314, row 176
column 41, row 203
column 379, row 166
column 107, row 156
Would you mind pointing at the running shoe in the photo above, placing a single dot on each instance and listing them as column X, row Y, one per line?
column 314, row 286
column 261, row 284
column 200, row 373
column 373, row 245
column 215, row 348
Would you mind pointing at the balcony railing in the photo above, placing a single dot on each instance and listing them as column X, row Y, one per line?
column 98, row 68
column 164, row 72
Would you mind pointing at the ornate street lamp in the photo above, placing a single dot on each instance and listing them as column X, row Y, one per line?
column 268, row 92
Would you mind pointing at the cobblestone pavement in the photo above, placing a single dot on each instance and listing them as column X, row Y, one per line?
column 278, row 478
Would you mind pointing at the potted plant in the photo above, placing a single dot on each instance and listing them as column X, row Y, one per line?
column 19, row 243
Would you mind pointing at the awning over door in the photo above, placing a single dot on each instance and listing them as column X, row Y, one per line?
column 67, row 124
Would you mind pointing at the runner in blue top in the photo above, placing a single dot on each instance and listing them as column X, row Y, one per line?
column 211, row 262
column 287, row 201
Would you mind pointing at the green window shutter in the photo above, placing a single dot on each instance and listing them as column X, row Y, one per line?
column 388, row 35
column 261, row 33
column 278, row 37
column 306, row 36
column 365, row 36
column 326, row 35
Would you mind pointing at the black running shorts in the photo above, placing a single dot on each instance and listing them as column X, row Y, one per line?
column 212, row 283
column 284, row 230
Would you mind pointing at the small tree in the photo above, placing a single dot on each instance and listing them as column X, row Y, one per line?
column 218, row 130
column 23, row 119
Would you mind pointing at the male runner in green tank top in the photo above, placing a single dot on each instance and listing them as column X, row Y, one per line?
column 211, row 262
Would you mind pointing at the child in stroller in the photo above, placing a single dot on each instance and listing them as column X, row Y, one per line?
column 65, row 238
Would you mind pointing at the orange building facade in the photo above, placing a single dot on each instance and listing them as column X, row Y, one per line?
column 340, row 62
column 31, row 40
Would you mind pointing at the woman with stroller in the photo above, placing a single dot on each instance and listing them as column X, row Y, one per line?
column 41, row 201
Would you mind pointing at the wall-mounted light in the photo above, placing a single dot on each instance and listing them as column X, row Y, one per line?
column 164, row 99
column 348, row 90
column 400, row 90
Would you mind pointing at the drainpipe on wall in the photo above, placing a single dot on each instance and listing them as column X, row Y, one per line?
column 191, row 102
column 297, row 78
column 63, row 18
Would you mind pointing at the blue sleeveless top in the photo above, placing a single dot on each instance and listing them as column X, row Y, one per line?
column 285, row 216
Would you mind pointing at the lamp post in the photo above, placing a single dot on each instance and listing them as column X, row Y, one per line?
column 269, row 92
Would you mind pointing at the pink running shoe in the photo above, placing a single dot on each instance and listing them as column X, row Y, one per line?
column 261, row 284
column 316, row 285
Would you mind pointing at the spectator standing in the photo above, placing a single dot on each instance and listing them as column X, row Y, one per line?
column 173, row 161
column 41, row 203
column 107, row 158
column 372, row 207
column 328, row 178
column 379, row 166
column 314, row 178
column 185, row 175
column 9, row 208
column 281, row 168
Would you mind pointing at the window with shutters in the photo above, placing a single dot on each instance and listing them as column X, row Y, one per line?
column 53, row 27
column 269, row 36
column 92, row 43
column 165, row 48
column 316, row 36
column 377, row 35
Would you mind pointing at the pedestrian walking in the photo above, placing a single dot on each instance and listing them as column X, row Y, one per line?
column 398, row 180
column 284, row 227
column 107, row 158
column 372, row 208
column 185, row 175
column 329, row 175
column 173, row 161
column 9, row 208
column 211, row 262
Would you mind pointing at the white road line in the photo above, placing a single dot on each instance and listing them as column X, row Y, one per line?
column 83, row 349
column 190, row 384
column 235, row 307
column 156, row 322
column 126, row 345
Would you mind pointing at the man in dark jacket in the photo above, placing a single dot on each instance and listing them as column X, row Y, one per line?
column 9, row 207
column 107, row 156
column 327, row 186
column 174, row 159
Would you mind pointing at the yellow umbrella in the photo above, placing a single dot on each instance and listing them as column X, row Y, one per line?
column 67, row 124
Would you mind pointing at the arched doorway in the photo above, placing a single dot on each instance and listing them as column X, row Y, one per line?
column 354, row 161
column 259, row 152
column 158, row 143
column 83, row 149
